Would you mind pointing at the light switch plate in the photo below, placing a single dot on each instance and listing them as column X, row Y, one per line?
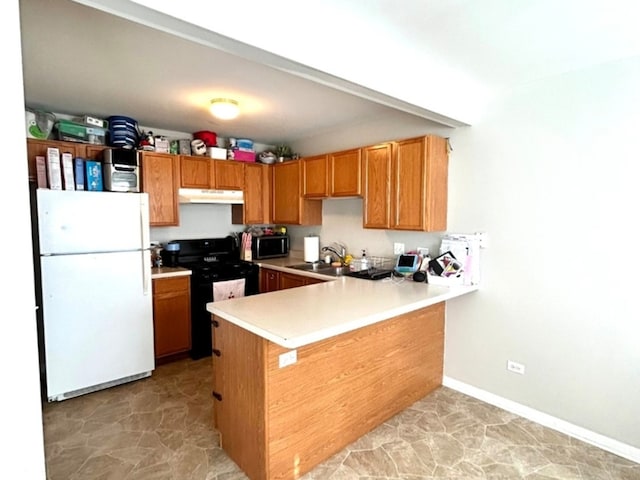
column 398, row 248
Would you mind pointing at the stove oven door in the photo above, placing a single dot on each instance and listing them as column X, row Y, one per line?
column 202, row 289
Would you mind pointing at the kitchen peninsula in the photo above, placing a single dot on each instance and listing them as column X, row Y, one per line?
column 298, row 374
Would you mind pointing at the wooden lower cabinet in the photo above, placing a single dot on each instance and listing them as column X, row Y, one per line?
column 279, row 423
column 272, row 280
column 171, row 317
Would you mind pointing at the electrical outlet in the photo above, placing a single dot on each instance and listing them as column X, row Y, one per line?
column 515, row 367
column 288, row 358
column 423, row 251
column 398, row 248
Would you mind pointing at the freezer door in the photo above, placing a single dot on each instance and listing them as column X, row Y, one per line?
column 81, row 222
column 98, row 324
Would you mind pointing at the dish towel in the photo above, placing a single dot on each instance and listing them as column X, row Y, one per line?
column 228, row 289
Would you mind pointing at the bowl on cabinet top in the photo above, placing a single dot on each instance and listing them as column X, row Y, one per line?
column 267, row 157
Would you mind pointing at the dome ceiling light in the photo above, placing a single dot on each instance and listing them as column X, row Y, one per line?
column 224, row 108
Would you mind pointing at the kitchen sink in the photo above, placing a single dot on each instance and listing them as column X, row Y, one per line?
column 321, row 268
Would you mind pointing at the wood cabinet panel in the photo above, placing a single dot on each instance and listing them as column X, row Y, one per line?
column 345, row 173
column 420, row 179
column 257, row 196
column 315, row 176
column 272, row 418
column 289, row 280
column 376, row 171
column 160, row 179
column 195, row 172
column 269, row 280
column 37, row 147
column 171, row 316
column 405, row 184
column 228, row 175
column 289, row 207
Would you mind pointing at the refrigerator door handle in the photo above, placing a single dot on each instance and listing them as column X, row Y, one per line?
column 146, row 258
column 146, row 273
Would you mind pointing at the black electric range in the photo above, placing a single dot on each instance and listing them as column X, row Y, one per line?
column 212, row 260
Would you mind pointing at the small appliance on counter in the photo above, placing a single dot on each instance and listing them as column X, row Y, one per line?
column 269, row 246
column 120, row 169
column 170, row 254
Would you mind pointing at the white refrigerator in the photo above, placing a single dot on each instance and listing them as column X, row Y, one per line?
column 95, row 281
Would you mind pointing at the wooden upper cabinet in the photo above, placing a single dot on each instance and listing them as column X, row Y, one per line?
column 205, row 173
column 195, row 172
column 376, row 185
column 257, row 196
column 315, row 177
column 161, row 179
column 37, row 147
column 289, row 206
column 345, row 173
column 228, row 174
column 405, row 184
column 419, row 190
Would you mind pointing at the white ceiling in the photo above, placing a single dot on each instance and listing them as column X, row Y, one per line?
column 300, row 69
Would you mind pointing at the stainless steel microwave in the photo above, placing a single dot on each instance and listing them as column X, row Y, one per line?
column 269, row 246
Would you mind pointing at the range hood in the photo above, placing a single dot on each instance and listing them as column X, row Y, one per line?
column 194, row 195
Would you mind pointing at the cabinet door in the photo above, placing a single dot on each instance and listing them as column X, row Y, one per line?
column 257, row 202
column 409, row 182
column 315, row 173
column 419, row 192
column 289, row 280
column 286, row 193
column 228, row 175
column 376, row 170
column 171, row 316
column 269, row 280
column 160, row 179
column 37, row 147
column 345, row 173
column 195, row 172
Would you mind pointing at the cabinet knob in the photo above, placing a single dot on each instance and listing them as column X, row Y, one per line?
column 215, row 323
column 216, row 395
column 216, row 352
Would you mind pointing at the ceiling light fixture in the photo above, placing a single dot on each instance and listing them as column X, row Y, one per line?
column 224, row 108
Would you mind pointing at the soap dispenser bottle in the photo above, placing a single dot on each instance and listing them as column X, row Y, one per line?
column 364, row 261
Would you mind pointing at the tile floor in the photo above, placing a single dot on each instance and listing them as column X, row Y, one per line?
column 160, row 428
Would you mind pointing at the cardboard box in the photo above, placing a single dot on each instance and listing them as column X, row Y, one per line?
column 41, row 171
column 78, row 164
column 54, row 171
column 93, row 171
column 67, row 172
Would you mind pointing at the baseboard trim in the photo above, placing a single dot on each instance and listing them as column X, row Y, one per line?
column 605, row 443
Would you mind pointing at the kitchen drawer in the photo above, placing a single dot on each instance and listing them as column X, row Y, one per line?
column 170, row 285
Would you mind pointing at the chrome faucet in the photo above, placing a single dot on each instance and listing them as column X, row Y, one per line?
column 340, row 256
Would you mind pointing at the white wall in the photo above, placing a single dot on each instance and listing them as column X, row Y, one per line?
column 552, row 175
column 198, row 221
column 20, row 409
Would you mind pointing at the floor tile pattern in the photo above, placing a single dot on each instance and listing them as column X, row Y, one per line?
column 160, row 428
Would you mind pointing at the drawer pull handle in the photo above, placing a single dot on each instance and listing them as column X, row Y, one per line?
column 217, row 396
column 216, row 352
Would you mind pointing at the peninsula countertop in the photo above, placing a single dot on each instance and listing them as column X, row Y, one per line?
column 300, row 316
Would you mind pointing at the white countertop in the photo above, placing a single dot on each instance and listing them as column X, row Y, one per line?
column 299, row 316
column 164, row 272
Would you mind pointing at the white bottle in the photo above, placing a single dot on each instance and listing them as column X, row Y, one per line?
column 364, row 262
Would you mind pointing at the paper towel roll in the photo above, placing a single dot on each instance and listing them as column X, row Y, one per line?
column 312, row 249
